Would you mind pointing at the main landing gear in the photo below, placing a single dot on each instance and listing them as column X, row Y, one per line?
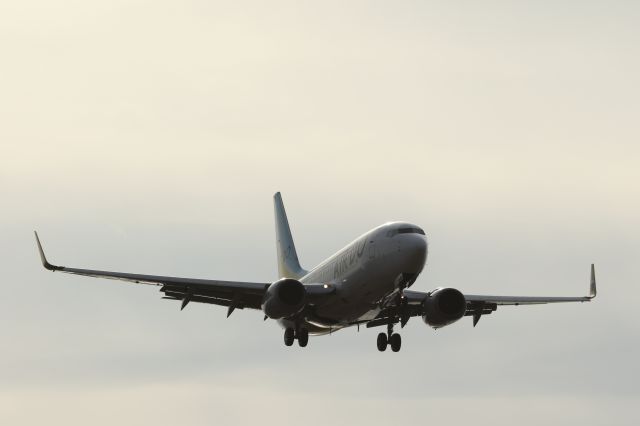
column 389, row 339
column 302, row 335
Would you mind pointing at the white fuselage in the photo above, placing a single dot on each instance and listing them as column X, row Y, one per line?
column 368, row 274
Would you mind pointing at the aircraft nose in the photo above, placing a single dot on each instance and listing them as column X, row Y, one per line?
column 415, row 249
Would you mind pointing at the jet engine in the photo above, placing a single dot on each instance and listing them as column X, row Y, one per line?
column 284, row 298
column 443, row 306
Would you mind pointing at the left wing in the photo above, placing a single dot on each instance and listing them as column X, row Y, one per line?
column 481, row 305
column 233, row 294
column 526, row 300
column 477, row 305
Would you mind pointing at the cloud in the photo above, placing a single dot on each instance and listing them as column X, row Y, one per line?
column 150, row 137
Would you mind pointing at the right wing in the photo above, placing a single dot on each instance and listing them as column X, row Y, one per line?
column 233, row 294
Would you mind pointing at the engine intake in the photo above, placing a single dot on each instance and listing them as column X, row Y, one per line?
column 443, row 307
column 284, row 298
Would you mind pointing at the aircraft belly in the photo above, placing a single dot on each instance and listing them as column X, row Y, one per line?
column 362, row 292
column 356, row 299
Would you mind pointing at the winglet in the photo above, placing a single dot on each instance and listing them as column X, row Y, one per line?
column 43, row 258
column 592, row 289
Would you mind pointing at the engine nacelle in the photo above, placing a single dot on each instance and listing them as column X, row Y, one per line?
column 443, row 307
column 284, row 298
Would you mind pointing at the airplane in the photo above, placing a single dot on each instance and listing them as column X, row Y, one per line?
column 364, row 284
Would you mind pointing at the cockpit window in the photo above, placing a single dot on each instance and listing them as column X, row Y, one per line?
column 407, row 230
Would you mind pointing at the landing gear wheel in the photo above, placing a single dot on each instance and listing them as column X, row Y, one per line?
column 289, row 335
column 303, row 337
column 396, row 342
column 382, row 342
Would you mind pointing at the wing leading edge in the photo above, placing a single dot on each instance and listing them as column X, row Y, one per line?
column 234, row 294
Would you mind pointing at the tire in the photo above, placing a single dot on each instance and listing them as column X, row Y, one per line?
column 382, row 342
column 396, row 342
column 289, row 336
column 303, row 337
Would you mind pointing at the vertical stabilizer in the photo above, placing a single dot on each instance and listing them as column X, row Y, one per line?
column 288, row 264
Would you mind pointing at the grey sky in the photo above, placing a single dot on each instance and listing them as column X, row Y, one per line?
column 150, row 137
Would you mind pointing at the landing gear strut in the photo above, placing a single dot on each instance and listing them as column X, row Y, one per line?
column 302, row 335
column 389, row 339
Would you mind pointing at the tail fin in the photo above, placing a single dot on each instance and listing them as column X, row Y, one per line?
column 288, row 264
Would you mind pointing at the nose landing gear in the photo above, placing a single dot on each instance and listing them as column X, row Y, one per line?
column 389, row 339
column 289, row 336
column 302, row 335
